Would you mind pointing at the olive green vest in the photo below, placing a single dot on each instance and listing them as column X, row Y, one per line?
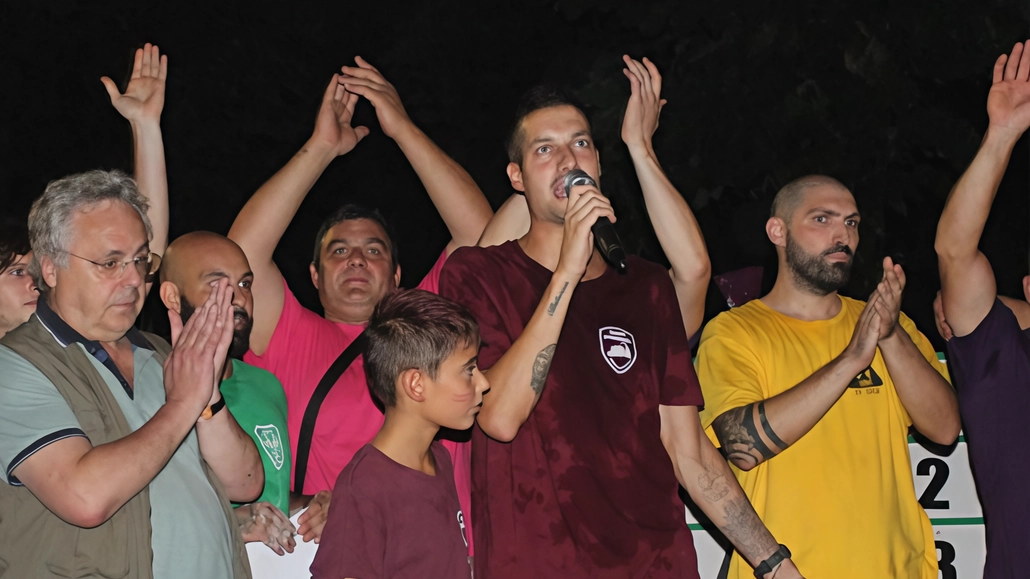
column 34, row 542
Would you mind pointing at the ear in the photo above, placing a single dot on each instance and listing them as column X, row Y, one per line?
column 411, row 383
column 598, row 153
column 776, row 229
column 170, row 296
column 397, row 276
column 314, row 274
column 1026, row 288
column 515, row 176
column 49, row 270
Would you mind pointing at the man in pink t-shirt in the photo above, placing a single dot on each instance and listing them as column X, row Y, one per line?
column 354, row 266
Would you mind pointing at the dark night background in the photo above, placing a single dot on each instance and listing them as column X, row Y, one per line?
column 888, row 97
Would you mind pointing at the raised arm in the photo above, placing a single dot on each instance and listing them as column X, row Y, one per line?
column 456, row 196
column 265, row 217
column 708, row 480
column 671, row 217
column 753, row 433
column 511, row 221
column 967, row 281
column 517, row 379
column 141, row 104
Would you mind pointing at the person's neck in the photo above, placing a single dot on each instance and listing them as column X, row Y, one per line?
column 542, row 243
column 346, row 317
column 406, row 439
column 791, row 300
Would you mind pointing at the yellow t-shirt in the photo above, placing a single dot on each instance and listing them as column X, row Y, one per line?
column 841, row 498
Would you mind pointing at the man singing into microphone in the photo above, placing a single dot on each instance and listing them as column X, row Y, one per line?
column 592, row 414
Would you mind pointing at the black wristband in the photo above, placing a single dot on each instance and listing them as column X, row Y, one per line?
column 767, row 566
column 213, row 409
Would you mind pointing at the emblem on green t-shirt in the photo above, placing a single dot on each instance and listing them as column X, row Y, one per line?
column 272, row 443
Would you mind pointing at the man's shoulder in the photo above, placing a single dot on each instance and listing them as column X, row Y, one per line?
column 251, row 373
column 471, row 254
column 753, row 314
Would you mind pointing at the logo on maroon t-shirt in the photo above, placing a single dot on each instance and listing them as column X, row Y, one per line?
column 618, row 348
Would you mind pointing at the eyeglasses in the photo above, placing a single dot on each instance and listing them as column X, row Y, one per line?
column 146, row 265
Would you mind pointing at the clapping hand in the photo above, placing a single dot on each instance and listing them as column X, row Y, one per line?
column 366, row 80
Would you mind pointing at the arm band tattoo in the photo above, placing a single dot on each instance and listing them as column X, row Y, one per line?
column 748, row 423
column 768, row 428
column 554, row 304
column 541, row 366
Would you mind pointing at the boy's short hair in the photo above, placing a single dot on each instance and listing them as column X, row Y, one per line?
column 413, row 329
column 537, row 98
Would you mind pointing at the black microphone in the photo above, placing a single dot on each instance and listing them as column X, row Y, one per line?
column 605, row 237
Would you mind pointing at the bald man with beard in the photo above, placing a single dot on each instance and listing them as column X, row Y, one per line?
column 193, row 264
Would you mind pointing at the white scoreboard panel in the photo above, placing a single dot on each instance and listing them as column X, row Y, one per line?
column 944, row 485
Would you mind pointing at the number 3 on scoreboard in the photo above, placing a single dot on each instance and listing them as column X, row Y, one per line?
column 940, row 476
column 944, row 564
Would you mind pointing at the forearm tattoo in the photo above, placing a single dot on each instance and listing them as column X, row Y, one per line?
column 740, row 439
column 540, row 368
column 554, row 305
column 742, row 525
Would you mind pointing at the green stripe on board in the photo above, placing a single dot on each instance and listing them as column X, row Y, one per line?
column 957, row 521
column 961, row 438
column 934, row 522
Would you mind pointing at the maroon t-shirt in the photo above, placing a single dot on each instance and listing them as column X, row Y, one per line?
column 991, row 370
column 389, row 521
column 586, row 489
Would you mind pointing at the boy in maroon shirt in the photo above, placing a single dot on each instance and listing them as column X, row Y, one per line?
column 396, row 513
column 592, row 414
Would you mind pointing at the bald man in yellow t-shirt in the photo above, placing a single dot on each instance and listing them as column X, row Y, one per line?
column 811, row 395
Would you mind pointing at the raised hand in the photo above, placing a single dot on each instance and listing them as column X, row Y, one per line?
column 645, row 102
column 265, row 523
column 1008, row 103
column 144, row 97
column 890, row 289
column 333, row 123
column 312, row 521
column 365, row 80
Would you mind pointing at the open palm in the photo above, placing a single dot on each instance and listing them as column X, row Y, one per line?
column 144, row 97
column 1008, row 104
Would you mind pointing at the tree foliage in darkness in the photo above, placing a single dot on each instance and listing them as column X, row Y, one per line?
column 887, row 97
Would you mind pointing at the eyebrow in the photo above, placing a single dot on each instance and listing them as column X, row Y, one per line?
column 369, row 240
column 221, row 274
column 549, row 138
column 831, row 212
column 471, row 361
column 116, row 253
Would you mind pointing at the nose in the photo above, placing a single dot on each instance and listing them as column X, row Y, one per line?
column 131, row 276
column 357, row 259
column 482, row 384
column 567, row 160
column 237, row 298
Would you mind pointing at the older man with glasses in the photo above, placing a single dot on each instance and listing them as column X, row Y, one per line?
column 119, row 457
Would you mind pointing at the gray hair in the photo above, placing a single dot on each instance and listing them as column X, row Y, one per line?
column 50, row 219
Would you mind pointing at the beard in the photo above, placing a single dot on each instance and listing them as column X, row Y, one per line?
column 240, row 337
column 813, row 273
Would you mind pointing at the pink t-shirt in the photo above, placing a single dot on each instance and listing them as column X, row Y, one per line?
column 302, row 348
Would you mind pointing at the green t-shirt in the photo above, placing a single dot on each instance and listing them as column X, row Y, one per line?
column 256, row 399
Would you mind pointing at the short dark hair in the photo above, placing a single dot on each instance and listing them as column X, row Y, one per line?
column 789, row 197
column 14, row 241
column 536, row 98
column 413, row 329
column 350, row 212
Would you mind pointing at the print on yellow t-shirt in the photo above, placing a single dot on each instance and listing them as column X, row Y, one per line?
column 841, row 498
